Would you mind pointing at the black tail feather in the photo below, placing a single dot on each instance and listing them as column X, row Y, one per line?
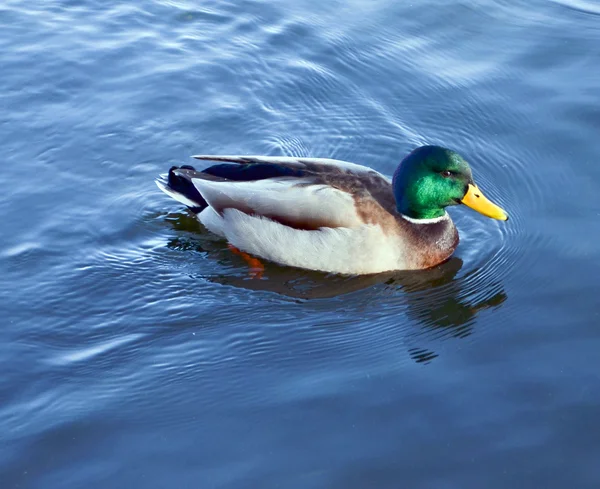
column 180, row 178
column 181, row 182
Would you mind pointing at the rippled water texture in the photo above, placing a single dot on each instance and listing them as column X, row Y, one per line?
column 136, row 352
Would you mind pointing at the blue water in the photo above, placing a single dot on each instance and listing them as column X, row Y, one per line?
column 136, row 352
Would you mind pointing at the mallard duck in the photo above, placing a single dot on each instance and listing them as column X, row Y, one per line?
column 331, row 215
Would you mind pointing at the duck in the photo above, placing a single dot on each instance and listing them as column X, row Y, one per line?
column 330, row 215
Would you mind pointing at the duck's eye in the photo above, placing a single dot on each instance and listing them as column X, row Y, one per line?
column 446, row 173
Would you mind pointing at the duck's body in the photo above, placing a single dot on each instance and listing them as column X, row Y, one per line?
column 313, row 213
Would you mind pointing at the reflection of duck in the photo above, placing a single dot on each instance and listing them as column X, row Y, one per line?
column 330, row 215
column 447, row 305
column 443, row 302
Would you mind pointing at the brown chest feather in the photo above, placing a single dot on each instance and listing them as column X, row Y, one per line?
column 429, row 244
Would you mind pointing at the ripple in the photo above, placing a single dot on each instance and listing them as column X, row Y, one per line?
column 88, row 354
column 584, row 6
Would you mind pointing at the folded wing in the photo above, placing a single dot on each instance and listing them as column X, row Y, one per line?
column 303, row 193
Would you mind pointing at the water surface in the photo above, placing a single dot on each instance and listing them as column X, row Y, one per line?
column 136, row 352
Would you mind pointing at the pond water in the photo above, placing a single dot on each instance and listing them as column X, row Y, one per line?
column 135, row 350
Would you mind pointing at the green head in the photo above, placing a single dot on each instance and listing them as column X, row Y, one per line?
column 431, row 178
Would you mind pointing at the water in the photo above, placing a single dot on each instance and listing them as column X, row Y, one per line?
column 135, row 351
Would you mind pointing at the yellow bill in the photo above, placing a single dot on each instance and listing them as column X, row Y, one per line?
column 479, row 202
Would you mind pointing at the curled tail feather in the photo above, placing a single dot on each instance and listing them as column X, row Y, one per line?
column 178, row 184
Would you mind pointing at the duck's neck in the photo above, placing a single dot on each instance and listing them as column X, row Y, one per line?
column 412, row 211
column 427, row 220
